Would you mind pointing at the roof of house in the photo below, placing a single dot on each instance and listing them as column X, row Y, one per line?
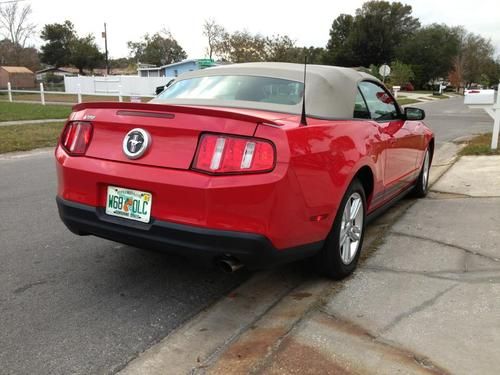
column 330, row 90
column 59, row 69
column 16, row 69
column 97, row 71
column 187, row 61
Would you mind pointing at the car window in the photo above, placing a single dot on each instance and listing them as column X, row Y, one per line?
column 246, row 88
column 380, row 104
column 360, row 108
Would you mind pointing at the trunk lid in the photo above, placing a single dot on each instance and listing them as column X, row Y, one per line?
column 174, row 130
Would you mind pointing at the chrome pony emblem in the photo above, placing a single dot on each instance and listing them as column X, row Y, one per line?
column 136, row 143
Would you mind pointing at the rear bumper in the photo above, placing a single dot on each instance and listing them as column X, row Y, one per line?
column 253, row 250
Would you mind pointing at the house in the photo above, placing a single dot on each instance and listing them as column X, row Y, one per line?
column 59, row 72
column 173, row 70
column 18, row 76
column 67, row 71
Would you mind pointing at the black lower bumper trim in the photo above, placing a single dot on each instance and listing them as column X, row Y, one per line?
column 253, row 250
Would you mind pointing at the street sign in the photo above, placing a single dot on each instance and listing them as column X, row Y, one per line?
column 384, row 70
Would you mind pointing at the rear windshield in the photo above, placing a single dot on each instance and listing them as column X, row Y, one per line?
column 231, row 88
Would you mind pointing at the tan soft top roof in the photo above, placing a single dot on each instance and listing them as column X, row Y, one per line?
column 330, row 90
column 16, row 69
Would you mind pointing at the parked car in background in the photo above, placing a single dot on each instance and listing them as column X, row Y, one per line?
column 161, row 88
column 407, row 87
column 245, row 164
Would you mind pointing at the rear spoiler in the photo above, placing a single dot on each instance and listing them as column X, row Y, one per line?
column 168, row 110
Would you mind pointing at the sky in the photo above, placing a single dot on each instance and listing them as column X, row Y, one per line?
column 306, row 22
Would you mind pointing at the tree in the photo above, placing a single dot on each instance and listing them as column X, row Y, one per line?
column 16, row 29
column 64, row 47
column 379, row 29
column 15, row 25
column 243, row 46
column 278, row 48
column 430, row 52
column 85, row 54
column 474, row 61
column 315, row 55
column 159, row 49
column 57, row 49
column 11, row 54
column 400, row 73
column 246, row 47
column 477, row 54
column 338, row 51
column 216, row 34
column 373, row 36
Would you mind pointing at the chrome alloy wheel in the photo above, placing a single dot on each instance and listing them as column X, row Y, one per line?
column 351, row 228
column 425, row 171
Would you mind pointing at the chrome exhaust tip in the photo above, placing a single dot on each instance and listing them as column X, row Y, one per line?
column 229, row 265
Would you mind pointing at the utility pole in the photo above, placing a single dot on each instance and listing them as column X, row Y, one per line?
column 105, row 36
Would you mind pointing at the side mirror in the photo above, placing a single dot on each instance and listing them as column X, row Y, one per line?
column 414, row 114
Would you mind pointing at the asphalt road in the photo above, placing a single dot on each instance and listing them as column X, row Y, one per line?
column 82, row 305
column 451, row 119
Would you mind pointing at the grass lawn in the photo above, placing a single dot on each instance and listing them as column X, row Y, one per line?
column 25, row 111
column 480, row 145
column 67, row 99
column 62, row 98
column 406, row 101
column 28, row 137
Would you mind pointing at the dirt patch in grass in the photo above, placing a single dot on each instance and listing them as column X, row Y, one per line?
column 27, row 111
column 29, row 137
column 480, row 145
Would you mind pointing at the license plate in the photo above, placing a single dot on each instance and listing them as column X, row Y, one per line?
column 129, row 204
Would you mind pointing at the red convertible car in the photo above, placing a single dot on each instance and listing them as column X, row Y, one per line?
column 248, row 164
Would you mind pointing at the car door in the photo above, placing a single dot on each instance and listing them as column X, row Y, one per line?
column 401, row 150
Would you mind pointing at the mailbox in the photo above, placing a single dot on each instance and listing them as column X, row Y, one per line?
column 479, row 97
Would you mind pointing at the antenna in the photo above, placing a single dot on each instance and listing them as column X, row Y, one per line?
column 303, row 120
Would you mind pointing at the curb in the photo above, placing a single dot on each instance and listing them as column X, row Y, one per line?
column 31, row 122
column 16, row 155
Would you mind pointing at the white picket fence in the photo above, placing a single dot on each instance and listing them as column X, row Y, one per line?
column 124, row 85
column 78, row 94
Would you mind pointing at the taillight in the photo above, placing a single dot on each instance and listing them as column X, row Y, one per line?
column 76, row 136
column 228, row 154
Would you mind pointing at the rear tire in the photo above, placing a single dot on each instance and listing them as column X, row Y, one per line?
column 422, row 186
column 340, row 254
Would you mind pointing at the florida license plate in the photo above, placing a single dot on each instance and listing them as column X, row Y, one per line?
column 129, row 204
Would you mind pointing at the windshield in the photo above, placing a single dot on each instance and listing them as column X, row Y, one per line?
column 231, row 88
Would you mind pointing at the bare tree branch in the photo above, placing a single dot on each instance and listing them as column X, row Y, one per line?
column 216, row 34
column 15, row 24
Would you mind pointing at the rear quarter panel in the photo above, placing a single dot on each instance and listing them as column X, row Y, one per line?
column 324, row 157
